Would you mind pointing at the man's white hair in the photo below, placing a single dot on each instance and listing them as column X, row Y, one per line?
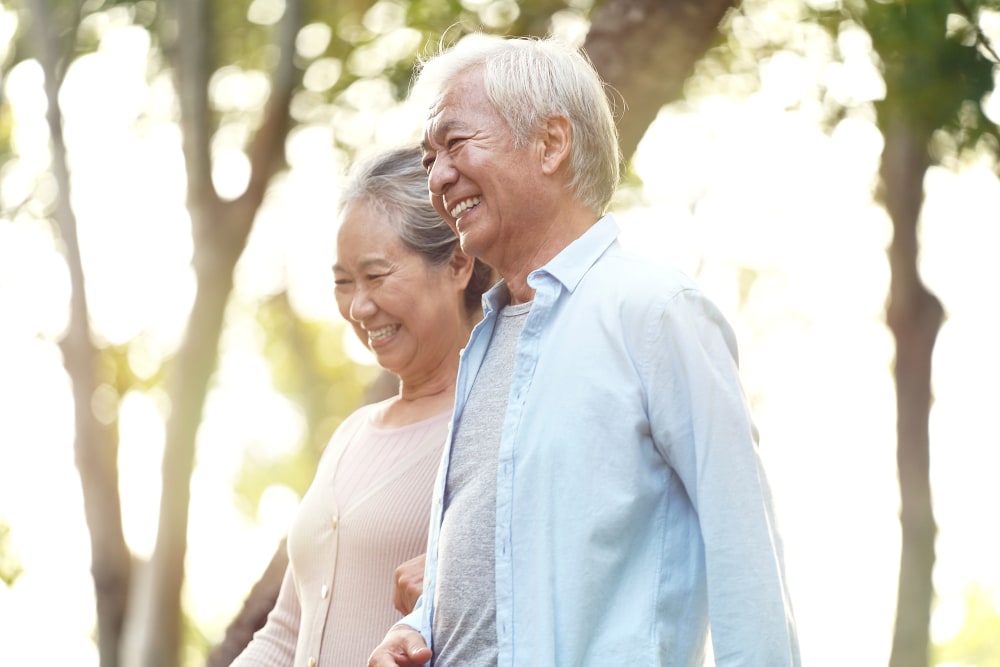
column 528, row 80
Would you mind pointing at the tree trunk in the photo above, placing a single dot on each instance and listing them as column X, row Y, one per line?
column 220, row 232
column 646, row 49
column 95, row 444
column 914, row 315
column 193, row 367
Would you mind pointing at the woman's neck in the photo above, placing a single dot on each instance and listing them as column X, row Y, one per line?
column 410, row 406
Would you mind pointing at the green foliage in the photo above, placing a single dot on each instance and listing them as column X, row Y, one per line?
column 977, row 643
column 934, row 75
column 237, row 40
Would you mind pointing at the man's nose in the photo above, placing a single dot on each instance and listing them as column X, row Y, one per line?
column 442, row 175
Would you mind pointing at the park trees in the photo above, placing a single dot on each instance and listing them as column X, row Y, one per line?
column 938, row 68
column 314, row 59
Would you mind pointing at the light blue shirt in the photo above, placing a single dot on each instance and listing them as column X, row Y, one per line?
column 632, row 508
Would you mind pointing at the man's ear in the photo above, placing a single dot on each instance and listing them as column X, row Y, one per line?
column 461, row 266
column 556, row 140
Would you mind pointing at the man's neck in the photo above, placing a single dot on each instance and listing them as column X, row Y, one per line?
column 542, row 250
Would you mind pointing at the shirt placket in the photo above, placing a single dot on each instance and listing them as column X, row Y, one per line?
column 524, row 368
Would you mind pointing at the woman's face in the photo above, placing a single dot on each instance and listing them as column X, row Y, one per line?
column 409, row 313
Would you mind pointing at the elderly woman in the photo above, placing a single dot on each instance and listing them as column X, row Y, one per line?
column 412, row 297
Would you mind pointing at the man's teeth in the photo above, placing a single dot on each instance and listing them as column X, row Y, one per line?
column 385, row 331
column 463, row 206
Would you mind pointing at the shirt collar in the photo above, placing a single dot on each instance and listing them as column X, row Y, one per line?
column 568, row 267
column 573, row 262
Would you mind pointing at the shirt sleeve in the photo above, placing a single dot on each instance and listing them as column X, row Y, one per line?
column 415, row 619
column 274, row 644
column 702, row 425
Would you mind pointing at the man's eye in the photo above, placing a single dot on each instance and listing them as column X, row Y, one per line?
column 375, row 276
column 339, row 282
column 454, row 142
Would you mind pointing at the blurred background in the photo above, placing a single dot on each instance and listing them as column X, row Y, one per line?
column 172, row 363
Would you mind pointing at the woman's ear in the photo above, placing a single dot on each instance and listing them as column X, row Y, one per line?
column 556, row 140
column 461, row 266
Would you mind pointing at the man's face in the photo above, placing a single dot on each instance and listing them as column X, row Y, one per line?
column 479, row 183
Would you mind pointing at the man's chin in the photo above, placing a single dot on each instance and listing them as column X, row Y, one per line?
column 470, row 245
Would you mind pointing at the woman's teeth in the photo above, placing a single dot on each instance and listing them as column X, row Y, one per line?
column 383, row 332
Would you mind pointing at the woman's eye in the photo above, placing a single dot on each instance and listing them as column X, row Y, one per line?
column 339, row 282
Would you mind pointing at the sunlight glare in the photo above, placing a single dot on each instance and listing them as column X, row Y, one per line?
column 957, row 264
column 230, row 172
column 41, row 500
column 293, row 242
column 268, row 425
column 265, row 12
column 400, row 125
column 322, row 74
column 34, row 281
column 856, row 154
column 145, row 356
column 217, row 583
column 8, row 28
column 277, row 506
column 947, row 618
column 140, row 452
column 991, row 101
column 312, row 40
column 570, row 26
column 855, row 78
column 233, row 89
column 24, row 89
column 788, row 78
column 104, row 92
column 385, row 16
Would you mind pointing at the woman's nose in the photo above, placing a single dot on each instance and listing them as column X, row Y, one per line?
column 362, row 306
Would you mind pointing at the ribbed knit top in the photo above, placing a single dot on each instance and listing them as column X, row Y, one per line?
column 366, row 512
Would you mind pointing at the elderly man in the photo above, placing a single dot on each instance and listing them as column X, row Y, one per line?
column 600, row 500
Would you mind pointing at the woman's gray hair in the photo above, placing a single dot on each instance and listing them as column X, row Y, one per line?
column 394, row 184
column 527, row 80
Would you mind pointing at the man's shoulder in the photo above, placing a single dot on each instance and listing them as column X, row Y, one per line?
column 641, row 276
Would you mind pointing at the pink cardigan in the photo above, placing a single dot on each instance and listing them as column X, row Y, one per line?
column 366, row 512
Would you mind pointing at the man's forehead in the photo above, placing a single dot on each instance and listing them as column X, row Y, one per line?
column 439, row 126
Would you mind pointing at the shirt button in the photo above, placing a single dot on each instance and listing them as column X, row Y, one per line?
column 335, row 523
column 324, row 591
column 312, row 662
